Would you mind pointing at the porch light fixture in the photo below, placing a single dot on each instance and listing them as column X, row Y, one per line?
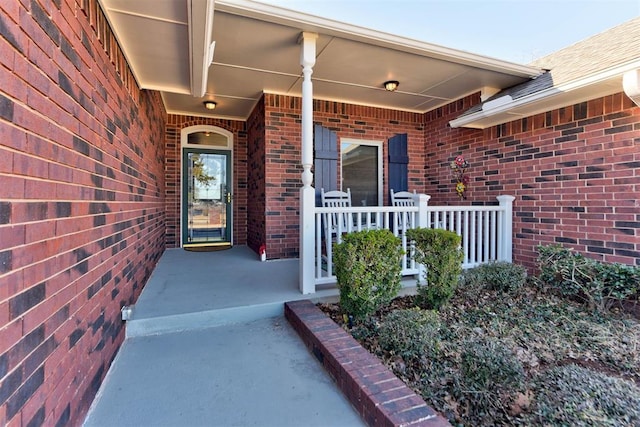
column 391, row 85
column 210, row 105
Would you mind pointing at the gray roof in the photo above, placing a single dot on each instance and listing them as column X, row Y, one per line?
column 612, row 48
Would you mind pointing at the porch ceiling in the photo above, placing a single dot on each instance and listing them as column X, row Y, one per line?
column 257, row 50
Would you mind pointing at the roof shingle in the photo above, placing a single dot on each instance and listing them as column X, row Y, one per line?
column 612, row 48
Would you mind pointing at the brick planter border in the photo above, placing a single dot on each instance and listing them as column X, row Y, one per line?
column 375, row 392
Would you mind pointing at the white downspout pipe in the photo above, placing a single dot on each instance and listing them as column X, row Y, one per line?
column 307, row 192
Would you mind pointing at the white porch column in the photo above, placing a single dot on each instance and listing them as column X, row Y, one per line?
column 307, row 192
column 506, row 233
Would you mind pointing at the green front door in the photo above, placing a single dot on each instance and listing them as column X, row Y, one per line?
column 206, row 197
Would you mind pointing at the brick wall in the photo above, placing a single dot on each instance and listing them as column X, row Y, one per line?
column 173, row 168
column 256, row 207
column 81, row 205
column 283, row 169
column 575, row 173
column 282, row 175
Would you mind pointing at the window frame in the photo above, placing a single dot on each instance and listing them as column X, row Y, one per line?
column 380, row 165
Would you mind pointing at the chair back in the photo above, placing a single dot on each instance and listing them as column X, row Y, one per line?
column 403, row 198
column 337, row 199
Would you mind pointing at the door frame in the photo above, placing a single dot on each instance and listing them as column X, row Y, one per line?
column 228, row 149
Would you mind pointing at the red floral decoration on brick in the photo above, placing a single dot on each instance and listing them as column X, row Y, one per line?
column 459, row 167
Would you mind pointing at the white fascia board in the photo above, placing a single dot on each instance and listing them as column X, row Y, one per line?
column 631, row 85
column 351, row 102
column 181, row 90
column 530, row 100
column 213, row 116
column 327, row 26
column 200, row 13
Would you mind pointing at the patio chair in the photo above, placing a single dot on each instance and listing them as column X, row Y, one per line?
column 403, row 219
column 336, row 223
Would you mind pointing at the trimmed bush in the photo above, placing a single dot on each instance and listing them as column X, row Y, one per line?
column 439, row 251
column 599, row 285
column 411, row 333
column 498, row 276
column 576, row 396
column 368, row 270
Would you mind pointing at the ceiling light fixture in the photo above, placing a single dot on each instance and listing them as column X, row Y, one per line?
column 391, row 85
column 210, row 105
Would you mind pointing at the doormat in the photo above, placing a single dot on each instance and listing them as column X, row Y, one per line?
column 209, row 248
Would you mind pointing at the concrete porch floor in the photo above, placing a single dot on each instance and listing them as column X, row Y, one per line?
column 208, row 345
column 203, row 289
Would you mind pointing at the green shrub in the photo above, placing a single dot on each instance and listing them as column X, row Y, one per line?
column 498, row 276
column 489, row 368
column 365, row 329
column 439, row 251
column 410, row 333
column 368, row 269
column 576, row 396
column 599, row 285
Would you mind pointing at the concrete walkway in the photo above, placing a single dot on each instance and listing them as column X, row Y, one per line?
column 211, row 348
column 252, row 374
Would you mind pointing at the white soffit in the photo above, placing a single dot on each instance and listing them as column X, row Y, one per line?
column 154, row 37
column 257, row 51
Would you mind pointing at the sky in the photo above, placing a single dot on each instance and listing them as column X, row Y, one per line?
column 512, row 30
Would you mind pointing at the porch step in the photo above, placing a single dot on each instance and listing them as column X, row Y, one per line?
column 157, row 325
column 200, row 320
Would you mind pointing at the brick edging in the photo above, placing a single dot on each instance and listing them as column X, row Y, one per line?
column 375, row 392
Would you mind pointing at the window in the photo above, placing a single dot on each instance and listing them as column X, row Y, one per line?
column 362, row 171
column 212, row 139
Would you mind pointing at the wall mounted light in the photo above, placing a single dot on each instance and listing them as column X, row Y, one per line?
column 210, row 105
column 391, row 85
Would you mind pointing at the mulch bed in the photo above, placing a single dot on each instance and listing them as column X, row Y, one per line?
column 577, row 353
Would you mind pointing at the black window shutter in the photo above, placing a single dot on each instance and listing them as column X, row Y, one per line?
column 326, row 160
column 398, row 162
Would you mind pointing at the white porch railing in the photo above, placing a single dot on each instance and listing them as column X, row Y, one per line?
column 486, row 231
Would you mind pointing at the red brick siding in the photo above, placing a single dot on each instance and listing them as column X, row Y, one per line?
column 377, row 124
column 575, row 173
column 173, row 168
column 283, row 169
column 282, row 175
column 81, row 208
column 256, row 207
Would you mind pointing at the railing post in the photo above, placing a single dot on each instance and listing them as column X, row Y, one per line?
column 422, row 221
column 505, row 250
column 422, row 201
